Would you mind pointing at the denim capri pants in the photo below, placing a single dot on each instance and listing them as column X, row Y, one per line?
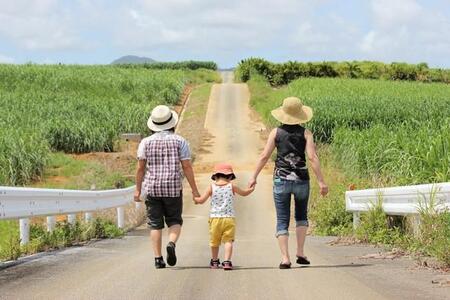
column 282, row 194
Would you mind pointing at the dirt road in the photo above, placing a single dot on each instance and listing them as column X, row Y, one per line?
column 123, row 269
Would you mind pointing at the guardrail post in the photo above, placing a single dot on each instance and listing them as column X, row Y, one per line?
column 72, row 218
column 88, row 217
column 415, row 220
column 120, row 217
column 51, row 223
column 356, row 219
column 24, row 231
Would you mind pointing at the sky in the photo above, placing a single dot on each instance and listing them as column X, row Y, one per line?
column 226, row 31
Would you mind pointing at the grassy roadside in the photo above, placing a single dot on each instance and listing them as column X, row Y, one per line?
column 328, row 214
column 194, row 118
column 104, row 171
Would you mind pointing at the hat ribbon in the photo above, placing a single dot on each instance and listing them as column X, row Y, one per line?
column 164, row 122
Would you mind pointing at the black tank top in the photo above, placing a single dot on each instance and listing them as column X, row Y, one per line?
column 291, row 162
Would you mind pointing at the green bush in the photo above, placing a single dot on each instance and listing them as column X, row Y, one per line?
column 434, row 237
column 10, row 241
column 330, row 216
column 284, row 73
column 374, row 227
column 189, row 65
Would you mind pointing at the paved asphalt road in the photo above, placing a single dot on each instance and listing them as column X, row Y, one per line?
column 123, row 269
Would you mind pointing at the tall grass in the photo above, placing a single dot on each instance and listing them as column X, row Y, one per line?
column 396, row 130
column 76, row 109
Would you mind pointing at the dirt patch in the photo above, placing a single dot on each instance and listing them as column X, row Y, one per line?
column 191, row 125
column 114, row 161
column 183, row 99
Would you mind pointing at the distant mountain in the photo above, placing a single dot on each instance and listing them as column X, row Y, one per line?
column 132, row 59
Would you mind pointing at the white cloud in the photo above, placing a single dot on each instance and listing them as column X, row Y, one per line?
column 38, row 25
column 205, row 25
column 406, row 31
column 226, row 31
column 389, row 13
column 6, row 59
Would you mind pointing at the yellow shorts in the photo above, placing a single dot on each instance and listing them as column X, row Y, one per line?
column 221, row 230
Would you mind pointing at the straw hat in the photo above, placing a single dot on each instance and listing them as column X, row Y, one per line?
column 223, row 168
column 293, row 112
column 162, row 118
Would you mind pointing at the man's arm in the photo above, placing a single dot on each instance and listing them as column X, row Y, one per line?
column 264, row 157
column 314, row 160
column 189, row 173
column 140, row 171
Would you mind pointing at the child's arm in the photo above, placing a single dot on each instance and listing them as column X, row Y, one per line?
column 243, row 192
column 202, row 199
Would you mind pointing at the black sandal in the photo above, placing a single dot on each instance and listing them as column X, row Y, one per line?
column 285, row 266
column 302, row 260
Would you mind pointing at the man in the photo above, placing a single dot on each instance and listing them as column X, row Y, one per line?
column 159, row 176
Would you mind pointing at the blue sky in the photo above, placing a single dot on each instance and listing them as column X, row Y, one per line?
column 97, row 32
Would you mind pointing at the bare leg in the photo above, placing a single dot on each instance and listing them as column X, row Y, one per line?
column 155, row 236
column 283, row 243
column 174, row 233
column 228, row 250
column 215, row 253
column 300, row 231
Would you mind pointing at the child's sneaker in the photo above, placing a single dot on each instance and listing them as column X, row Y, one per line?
column 159, row 263
column 227, row 265
column 214, row 264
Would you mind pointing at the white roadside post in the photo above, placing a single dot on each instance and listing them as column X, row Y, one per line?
column 51, row 223
column 356, row 219
column 416, row 224
column 138, row 205
column 88, row 217
column 120, row 217
column 24, row 231
column 71, row 218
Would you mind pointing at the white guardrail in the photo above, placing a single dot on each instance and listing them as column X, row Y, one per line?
column 24, row 203
column 402, row 200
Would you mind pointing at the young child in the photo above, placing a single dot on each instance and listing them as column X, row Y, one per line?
column 221, row 215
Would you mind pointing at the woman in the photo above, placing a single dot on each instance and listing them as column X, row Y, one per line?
column 291, row 173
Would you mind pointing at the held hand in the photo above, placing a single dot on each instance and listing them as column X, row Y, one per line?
column 137, row 196
column 323, row 189
column 252, row 183
column 195, row 194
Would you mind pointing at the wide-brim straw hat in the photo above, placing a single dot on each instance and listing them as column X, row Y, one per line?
column 293, row 112
column 162, row 118
column 223, row 168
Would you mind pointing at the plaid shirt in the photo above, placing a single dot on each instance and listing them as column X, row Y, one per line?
column 163, row 152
